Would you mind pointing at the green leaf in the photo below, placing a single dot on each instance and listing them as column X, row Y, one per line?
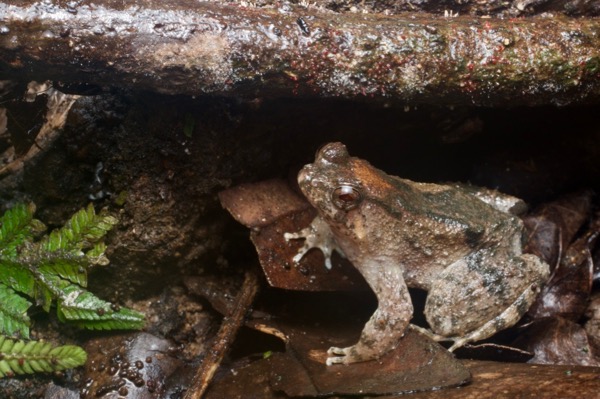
column 84, row 309
column 96, row 255
column 52, row 270
column 20, row 357
column 16, row 226
column 126, row 319
column 68, row 356
column 17, row 276
column 82, row 230
column 48, row 287
column 73, row 269
column 13, row 312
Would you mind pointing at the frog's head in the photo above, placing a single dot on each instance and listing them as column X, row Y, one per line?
column 338, row 185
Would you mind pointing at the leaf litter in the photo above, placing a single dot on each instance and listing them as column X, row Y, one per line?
column 562, row 232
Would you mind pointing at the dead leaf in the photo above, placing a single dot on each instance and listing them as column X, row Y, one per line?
column 558, row 341
column 553, row 226
column 309, row 323
column 248, row 382
column 567, row 292
column 260, row 204
column 592, row 326
column 219, row 292
column 596, row 260
column 309, row 274
column 543, row 238
column 271, row 209
column 417, row 364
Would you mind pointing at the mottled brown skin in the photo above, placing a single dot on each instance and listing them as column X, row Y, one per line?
column 441, row 238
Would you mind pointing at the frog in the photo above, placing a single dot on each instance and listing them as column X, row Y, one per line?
column 462, row 245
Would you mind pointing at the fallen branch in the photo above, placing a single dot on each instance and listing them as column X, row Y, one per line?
column 226, row 49
column 225, row 336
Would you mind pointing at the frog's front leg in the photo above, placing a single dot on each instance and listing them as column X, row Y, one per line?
column 316, row 235
column 387, row 325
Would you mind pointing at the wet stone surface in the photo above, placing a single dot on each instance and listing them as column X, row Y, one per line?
column 132, row 366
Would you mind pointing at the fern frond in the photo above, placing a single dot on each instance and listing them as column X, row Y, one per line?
column 73, row 269
column 16, row 276
column 48, row 287
column 17, row 225
column 54, row 270
column 84, row 309
column 13, row 312
column 96, row 255
column 118, row 321
column 20, row 357
column 83, row 229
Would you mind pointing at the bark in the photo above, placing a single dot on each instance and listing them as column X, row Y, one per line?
column 504, row 8
column 181, row 47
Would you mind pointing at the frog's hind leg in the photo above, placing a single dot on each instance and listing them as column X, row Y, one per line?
column 506, row 319
column 498, row 292
column 509, row 317
column 428, row 333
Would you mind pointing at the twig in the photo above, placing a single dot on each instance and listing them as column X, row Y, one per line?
column 225, row 336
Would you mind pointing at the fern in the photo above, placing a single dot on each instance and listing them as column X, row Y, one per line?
column 85, row 310
column 52, row 270
column 83, row 229
column 16, row 226
column 13, row 312
column 20, row 357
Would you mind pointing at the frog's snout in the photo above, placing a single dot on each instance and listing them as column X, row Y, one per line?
column 305, row 175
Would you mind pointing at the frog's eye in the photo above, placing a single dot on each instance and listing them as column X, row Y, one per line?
column 346, row 197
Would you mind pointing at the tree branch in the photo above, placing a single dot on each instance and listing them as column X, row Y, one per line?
column 181, row 47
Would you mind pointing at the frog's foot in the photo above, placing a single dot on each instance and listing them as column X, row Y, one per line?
column 428, row 333
column 337, row 355
column 457, row 341
column 351, row 354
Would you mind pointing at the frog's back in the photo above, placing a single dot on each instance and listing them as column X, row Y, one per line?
column 441, row 204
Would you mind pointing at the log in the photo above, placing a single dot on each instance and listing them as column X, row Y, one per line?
column 497, row 8
column 182, row 47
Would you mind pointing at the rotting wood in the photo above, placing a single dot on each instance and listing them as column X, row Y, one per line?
column 228, row 49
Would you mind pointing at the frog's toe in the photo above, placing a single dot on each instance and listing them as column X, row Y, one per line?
column 336, row 355
column 335, row 360
column 334, row 350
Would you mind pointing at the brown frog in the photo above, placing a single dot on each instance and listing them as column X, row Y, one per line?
column 460, row 244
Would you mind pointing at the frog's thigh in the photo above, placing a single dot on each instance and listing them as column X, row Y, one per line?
column 509, row 317
column 475, row 290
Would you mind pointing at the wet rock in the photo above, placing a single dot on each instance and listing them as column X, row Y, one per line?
column 55, row 391
column 129, row 365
